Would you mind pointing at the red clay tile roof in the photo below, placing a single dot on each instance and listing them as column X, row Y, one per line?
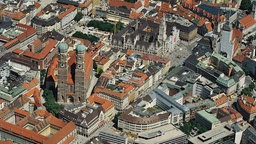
column 106, row 104
column 18, row 51
column 119, row 95
column 146, row 3
column 33, row 83
column 36, row 42
column 21, row 112
column 240, row 57
column 223, row 99
column 69, row 10
column 6, row 142
column 28, row 32
column 209, row 27
column 118, row 3
column 135, row 15
column 37, row 4
column 52, row 68
column 247, row 21
column 52, row 43
column 65, row 131
column 22, row 132
column 236, row 33
column 18, row 16
column 247, row 103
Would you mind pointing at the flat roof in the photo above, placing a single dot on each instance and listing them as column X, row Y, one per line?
column 163, row 133
column 209, row 117
column 211, row 136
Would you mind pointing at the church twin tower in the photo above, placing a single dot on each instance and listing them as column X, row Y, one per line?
column 75, row 73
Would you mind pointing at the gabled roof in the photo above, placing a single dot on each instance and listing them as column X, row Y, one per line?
column 247, row 21
column 106, row 104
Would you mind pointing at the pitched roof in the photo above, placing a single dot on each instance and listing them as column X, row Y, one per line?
column 247, row 103
column 69, row 10
column 52, row 43
column 52, row 68
column 223, row 99
column 118, row 3
column 106, row 104
column 247, row 21
column 33, row 83
column 22, row 132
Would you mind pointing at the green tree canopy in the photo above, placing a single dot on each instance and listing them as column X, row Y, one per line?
column 246, row 5
column 50, row 104
column 78, row 16
column 105, row 26
column 89, row 37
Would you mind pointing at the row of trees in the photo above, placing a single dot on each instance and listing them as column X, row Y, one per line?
column 105, row 26
column 89, row 37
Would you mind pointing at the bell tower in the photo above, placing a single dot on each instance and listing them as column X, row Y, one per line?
column 62, row 72
column 80, row 83
column 162, row 34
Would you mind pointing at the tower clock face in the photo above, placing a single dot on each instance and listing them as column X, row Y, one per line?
column 62, row 65
column 79, row 66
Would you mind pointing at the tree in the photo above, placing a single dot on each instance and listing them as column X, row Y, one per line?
column 105, row 26
column 78, row 16
column 50, row 104
column 89, row 37
column 94, row 65
column 124, row 7
column 246, row 5
column 99, row 72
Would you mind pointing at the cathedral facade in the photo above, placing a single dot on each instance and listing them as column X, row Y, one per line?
column 75, row 73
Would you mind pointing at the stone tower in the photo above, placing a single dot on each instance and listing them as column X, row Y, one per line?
column 62, row 72
column 162, row 33
column 80, row 83
column 226, row 44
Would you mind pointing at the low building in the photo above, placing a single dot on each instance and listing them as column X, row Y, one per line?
column 121, row 94
column 38, row 55
column 86, row 118
column 18, row 36
column 112, row 138
column 154, row 110
column 17, row 80
column 198, row 106
column 53, row 16
column 212, row 118
column 247, row 107
column 249, row 136
column 247, row 23
column 163, row 134
column 108, row 106
column 37, row 127
column 207, row 119
column 84, row 6
column 218, row 69
column 220, row 134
